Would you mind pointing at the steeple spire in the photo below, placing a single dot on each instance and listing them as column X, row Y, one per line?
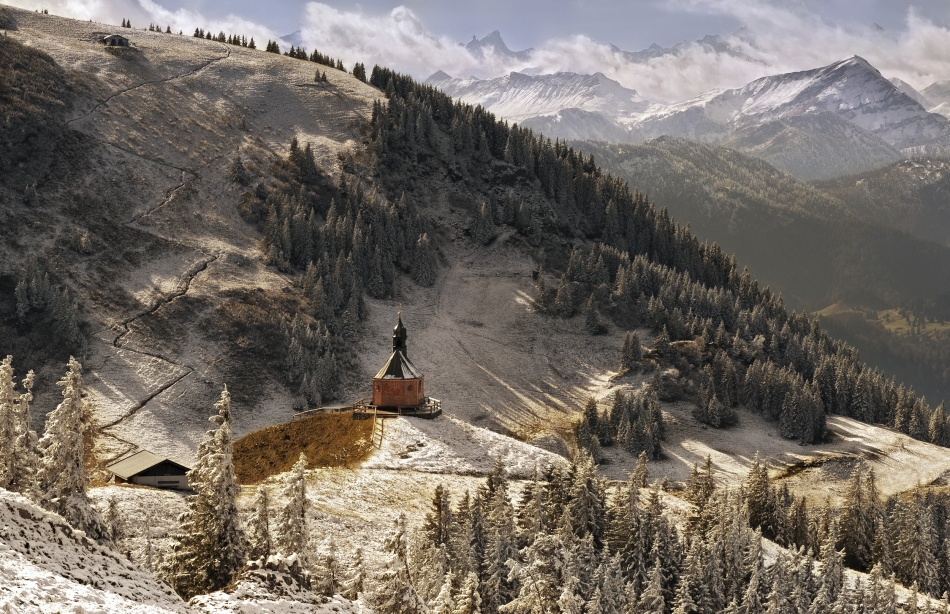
column 399, row 336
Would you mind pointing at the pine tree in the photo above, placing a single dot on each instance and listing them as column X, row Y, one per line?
column 62, row 473
column 444, row 603
column 652, row 600
column 631, row 353
column 327, row 574
column 113, row 521
column 536, row 572
column 500, row 548
column 640, row 472
column 26, row 454
column 593, row 321
column 468, row 600
column 570, row 600
column 424, row 262
column 662, row 348
column 757, row 494
column 483, row 228
column 258, row 526
column 859, row 520
column 395, row 591
column 210, row 546
column 18, row 444
column 292, row 530
column 355, row 585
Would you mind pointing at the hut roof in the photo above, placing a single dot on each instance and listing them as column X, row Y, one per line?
column 398, row 367
column 137, row 463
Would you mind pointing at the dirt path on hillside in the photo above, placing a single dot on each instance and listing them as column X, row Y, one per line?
column 175, row 371
column 196, row 70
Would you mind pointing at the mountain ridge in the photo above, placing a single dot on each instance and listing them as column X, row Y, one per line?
column 885, row 122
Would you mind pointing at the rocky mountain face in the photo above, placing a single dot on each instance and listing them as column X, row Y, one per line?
column 493, row 45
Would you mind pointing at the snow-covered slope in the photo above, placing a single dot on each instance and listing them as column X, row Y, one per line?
column 911, row 92
column 46, row 565
column 938, row 92
column 518, row 96
column 814, row 146
column 579, row 125
column 851, row 88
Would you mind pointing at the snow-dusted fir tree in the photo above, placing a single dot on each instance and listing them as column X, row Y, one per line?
column 292, row 533
column 468, row 601
column 18, row 453
column 538, row 576
column 62, row 473
column 26, row 452
column 652, row 600
column 424, row 261
column 8, row 399
column 395, row 593
column 327, row 574
column 210, row 545
column 258, row 526
column 631, row 352
column 570, row 600
column 444, row 603
column 113, row 520
column 356, row 583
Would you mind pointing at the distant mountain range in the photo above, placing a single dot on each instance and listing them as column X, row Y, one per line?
column 827, row 122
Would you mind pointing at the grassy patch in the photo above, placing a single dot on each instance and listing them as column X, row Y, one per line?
column 328, row 440
column 892, row 320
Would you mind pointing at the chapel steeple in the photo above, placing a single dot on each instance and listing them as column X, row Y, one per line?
column 399, row 337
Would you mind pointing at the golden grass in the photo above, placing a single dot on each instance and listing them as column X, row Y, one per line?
column 328, row 440
column 892, row 321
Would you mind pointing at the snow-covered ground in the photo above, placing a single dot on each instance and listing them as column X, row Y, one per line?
column 449, row 445
column 46, row 566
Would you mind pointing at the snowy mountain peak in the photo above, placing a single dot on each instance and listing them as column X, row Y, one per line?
column 494, row 44
column 855, row 62
column 438, row 76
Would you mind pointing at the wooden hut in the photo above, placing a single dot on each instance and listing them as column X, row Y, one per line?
column 149, row 469
column 115, row 40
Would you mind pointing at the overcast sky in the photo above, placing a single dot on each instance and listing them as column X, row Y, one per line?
column 910, row 40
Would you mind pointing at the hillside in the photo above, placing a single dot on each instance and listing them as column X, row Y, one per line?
column 805, row 242
column 813, row 146
column 169, row 282
column 911, row 195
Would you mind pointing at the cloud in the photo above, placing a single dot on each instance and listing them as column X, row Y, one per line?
column 397, row 40
column 779, row 37
column 790, row 37
column 186, row 21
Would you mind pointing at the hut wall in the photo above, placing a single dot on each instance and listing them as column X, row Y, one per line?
column 179, row 482
column 398, row 392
